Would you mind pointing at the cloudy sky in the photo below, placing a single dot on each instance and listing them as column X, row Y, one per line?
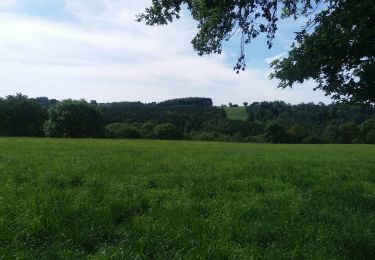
column 93, row 49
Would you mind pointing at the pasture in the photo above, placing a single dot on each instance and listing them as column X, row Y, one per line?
column 236, row 113
column 64, row 198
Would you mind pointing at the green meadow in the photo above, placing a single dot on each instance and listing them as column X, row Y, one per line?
column 236, row 113
column 100, row 199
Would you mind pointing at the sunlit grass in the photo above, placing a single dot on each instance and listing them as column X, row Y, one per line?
column 164, row 199
column 236, row 113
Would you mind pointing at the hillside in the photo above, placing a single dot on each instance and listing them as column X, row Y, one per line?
column 236, row 113
column 69, row 199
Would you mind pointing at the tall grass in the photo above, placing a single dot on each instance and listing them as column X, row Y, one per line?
column 64, row 199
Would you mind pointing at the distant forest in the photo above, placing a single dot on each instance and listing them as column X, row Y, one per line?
column 187, row 119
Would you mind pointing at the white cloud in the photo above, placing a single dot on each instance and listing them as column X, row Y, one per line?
column 87, row 8
column 107, row 56
column 7, row 3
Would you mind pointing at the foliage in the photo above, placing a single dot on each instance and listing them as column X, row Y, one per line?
column 46, row 102
column 21, row 116
column 311, row 116
column 313, row 139
column 349, row 133
column 331, row 134
column 298, row 134
column 76, row 119
column 167, row 131
column 335, row 47
column 192, row 101
column 104, row 199
column 147, row 129
column 185, row 117
column 367, row 130
column 122, row 130
column 339, row 55
column 275, row 133
column 302, row 123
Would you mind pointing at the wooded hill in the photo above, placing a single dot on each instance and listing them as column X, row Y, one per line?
column 189, row 119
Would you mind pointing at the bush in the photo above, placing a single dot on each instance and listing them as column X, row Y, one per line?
column 296, row 134
column 349, row 132
column 205, row 136
column 255, row 139
column 313, row 139
column 370, row 137
column 167, row 132
column 122, row 130
column 147, row 128
column 367, row 129
column 76, row 119
column 275, row 133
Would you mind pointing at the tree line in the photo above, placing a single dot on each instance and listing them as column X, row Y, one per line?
column 188, row 119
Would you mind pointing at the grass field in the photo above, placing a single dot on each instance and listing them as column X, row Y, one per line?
column 236, row 113
column 100, row 199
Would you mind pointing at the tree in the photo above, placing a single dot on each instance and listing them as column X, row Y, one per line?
column 122, row 130
column 21, row 116
column 245, row 104
column 192, row 101
column 275, row 133
column 331, row 134
column 339, row 55
column 367, row 130
column 45, row 102
column 349, row 133
column 76, row 119
column 297, row 133
column 167, row 132
column 335, row 48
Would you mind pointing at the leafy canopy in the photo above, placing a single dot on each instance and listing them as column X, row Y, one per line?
column 75, row 119
column 21, row 116
column 336, row 47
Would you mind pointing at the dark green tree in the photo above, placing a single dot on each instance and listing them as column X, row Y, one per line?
column 339, row 54
column 349, row 133
column 76, row 119
column 275, row 133
column 331, row 134
column 167, row 131
column 367, row 130
column 336, row 47
column 122, row 130
column 297, row 133
column 21, row 116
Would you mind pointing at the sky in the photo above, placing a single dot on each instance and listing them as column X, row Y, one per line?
column 95, row 50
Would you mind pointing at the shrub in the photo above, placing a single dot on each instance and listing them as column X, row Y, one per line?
column 313, row 139
column 205, row 136
column 147, row 128
column 296, row 134
column 167, row 132
column 370, row 137
column 349, row 132
column 122, row 130
column 255, row 139
column 275, row 133
column 367, row 129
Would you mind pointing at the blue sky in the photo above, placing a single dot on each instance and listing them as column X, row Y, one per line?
column 93, row 49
